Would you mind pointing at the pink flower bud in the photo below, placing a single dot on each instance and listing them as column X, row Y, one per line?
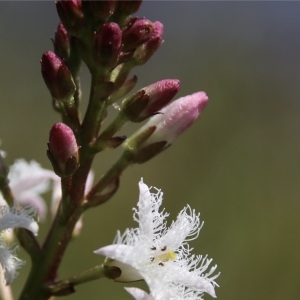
column 162, row 129
column 62, row 42
column 149, row 100
column 146, row 50
column 57, row 76
column 175, row 118
column 136, row 33
column 63, row 150
column 107, row 44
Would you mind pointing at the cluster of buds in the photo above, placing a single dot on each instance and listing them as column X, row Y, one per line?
column 103, row 35
column 111, row 42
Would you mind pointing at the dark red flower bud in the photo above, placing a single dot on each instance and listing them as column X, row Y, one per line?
column 71, row 14
column 62, row 42
column 128, row 7
column 107, row 44
column 57, row 76
column 102, row 10
column 63, row 150
column 149, row 100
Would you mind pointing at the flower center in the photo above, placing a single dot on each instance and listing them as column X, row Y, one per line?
column 164, row 256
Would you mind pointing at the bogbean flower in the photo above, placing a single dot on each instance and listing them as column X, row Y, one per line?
column 28, row 180
column 161, row 255
column 11, row 218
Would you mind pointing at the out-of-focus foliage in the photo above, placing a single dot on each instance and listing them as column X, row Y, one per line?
column 239, row 165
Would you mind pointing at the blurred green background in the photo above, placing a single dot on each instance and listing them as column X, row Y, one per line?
column 238, row 165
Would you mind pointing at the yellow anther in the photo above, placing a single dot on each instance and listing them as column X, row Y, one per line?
column 170, row 255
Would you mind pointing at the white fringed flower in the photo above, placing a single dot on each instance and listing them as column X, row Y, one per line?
column 11, row 218
column 28, row 180
column 161, row 255
column 139, row 294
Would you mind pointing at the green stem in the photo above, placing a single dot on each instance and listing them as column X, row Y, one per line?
column 46, row 262
column 95, row 111
column 113, row 173
column 28, row 241
column 45, row 265
column 105, row 138
column 114, row 126
column 66, row 286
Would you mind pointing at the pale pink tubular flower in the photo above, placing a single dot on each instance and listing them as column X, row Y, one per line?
column 164, row 127
column 176, row 117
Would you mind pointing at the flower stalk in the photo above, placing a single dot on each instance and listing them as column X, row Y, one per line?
column 111, row 42
column 67, row 286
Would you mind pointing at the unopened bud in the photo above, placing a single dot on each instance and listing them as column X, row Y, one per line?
column 172, row 121
column 107, row 44
column 124, row 9
column 62, row 42
column 136, row 33
column 129, row 6
column 149, row 100
column 71, row 15
column 146, row 50
column 102, row 10
column 57, row 76
column 63, row 150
